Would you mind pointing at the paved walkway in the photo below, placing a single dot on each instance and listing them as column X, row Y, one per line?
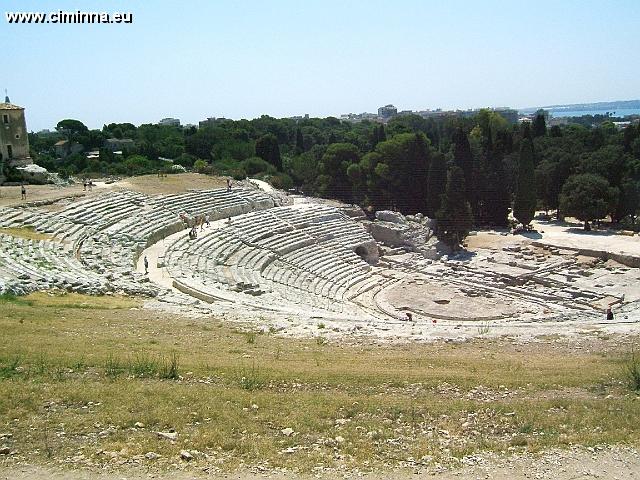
column 161, row 275
column 573, row 236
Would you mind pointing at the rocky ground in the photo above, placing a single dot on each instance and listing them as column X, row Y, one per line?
column 611, row 463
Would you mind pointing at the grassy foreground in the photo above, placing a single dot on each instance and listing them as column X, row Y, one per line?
column 88, row 381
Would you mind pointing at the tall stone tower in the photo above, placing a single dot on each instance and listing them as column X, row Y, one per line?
column 14, row 141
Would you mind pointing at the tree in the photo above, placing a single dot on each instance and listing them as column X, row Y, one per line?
column 138, row 164
column 551, row 173
column 375, row 138
column 436, row 183
column 496, row 196
column 199, row 165
column 71, row 128
column 629, row 201
column 525, row 204
column 586, row 197
column 464, row 159
column 299, row 141
column 382, row 136
column 333, row 181
column 406, row 157
column 539, row 125
column 454, row 217
column 608, row 162
column 185, row 160
column 268, row 149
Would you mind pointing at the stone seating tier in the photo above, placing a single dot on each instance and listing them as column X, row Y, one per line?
column 300, row 253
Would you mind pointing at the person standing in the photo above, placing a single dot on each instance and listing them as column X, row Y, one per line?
column 609, row 313
column 228, row 184
column 23, row 192
column 146, row 265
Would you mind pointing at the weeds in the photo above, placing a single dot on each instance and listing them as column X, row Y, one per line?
column 10, row 369
column 251, row 379
column 113, row 367
column 14, row 299
column 250, row 337
column 169, row 368
column 321, row 341
column 143, row 365
column 484, row 328
column 632, row 371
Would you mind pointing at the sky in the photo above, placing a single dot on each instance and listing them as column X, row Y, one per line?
column 193, row 59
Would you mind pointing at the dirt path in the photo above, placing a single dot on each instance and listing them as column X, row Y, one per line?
column 620, row 463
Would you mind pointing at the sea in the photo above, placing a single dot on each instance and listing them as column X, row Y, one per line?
column 621, row 112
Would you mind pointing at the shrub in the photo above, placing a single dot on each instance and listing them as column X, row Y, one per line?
column 199, row 166
column 256, row 165
column 281, row 181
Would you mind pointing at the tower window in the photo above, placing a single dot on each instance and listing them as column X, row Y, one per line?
column 17, row 135
column 5, row 118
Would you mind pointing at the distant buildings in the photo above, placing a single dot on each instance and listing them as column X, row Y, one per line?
column 14, row 142
column 169, row 122
column 210, row 122
column 387, row 111
column 359, row 117
column 64, row 148
column 118, row 144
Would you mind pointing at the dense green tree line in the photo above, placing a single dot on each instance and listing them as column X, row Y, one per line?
column 411, row 164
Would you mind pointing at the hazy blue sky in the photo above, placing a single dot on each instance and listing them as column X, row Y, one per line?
column 241, row 59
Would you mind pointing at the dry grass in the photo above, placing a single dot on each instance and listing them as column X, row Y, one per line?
column 10, row 196
column 75, row 380
column 148, row 184
column 174, row 183
column 25, row 232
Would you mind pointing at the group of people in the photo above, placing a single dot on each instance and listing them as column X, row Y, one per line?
column 198, row 221
column 87, row 184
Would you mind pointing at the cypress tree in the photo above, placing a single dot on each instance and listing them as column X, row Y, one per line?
column 464, row 159
column 436, row 183
column 539, row 126
column 375, row 137
column 299, row 141
column 525, row 203
column 382, row 135
column 267, row 148
column 496, row 196
column 454, row 217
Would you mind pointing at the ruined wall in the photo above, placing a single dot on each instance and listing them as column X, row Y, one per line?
column 13, row 132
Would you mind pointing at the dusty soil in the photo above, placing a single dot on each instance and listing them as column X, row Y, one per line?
column 608, row 463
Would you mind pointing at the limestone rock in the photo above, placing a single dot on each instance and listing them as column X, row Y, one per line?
column 168, row 435
column 391, row 217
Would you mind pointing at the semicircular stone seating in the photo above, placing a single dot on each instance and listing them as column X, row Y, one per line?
column 95, row 242
column 278, row 258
